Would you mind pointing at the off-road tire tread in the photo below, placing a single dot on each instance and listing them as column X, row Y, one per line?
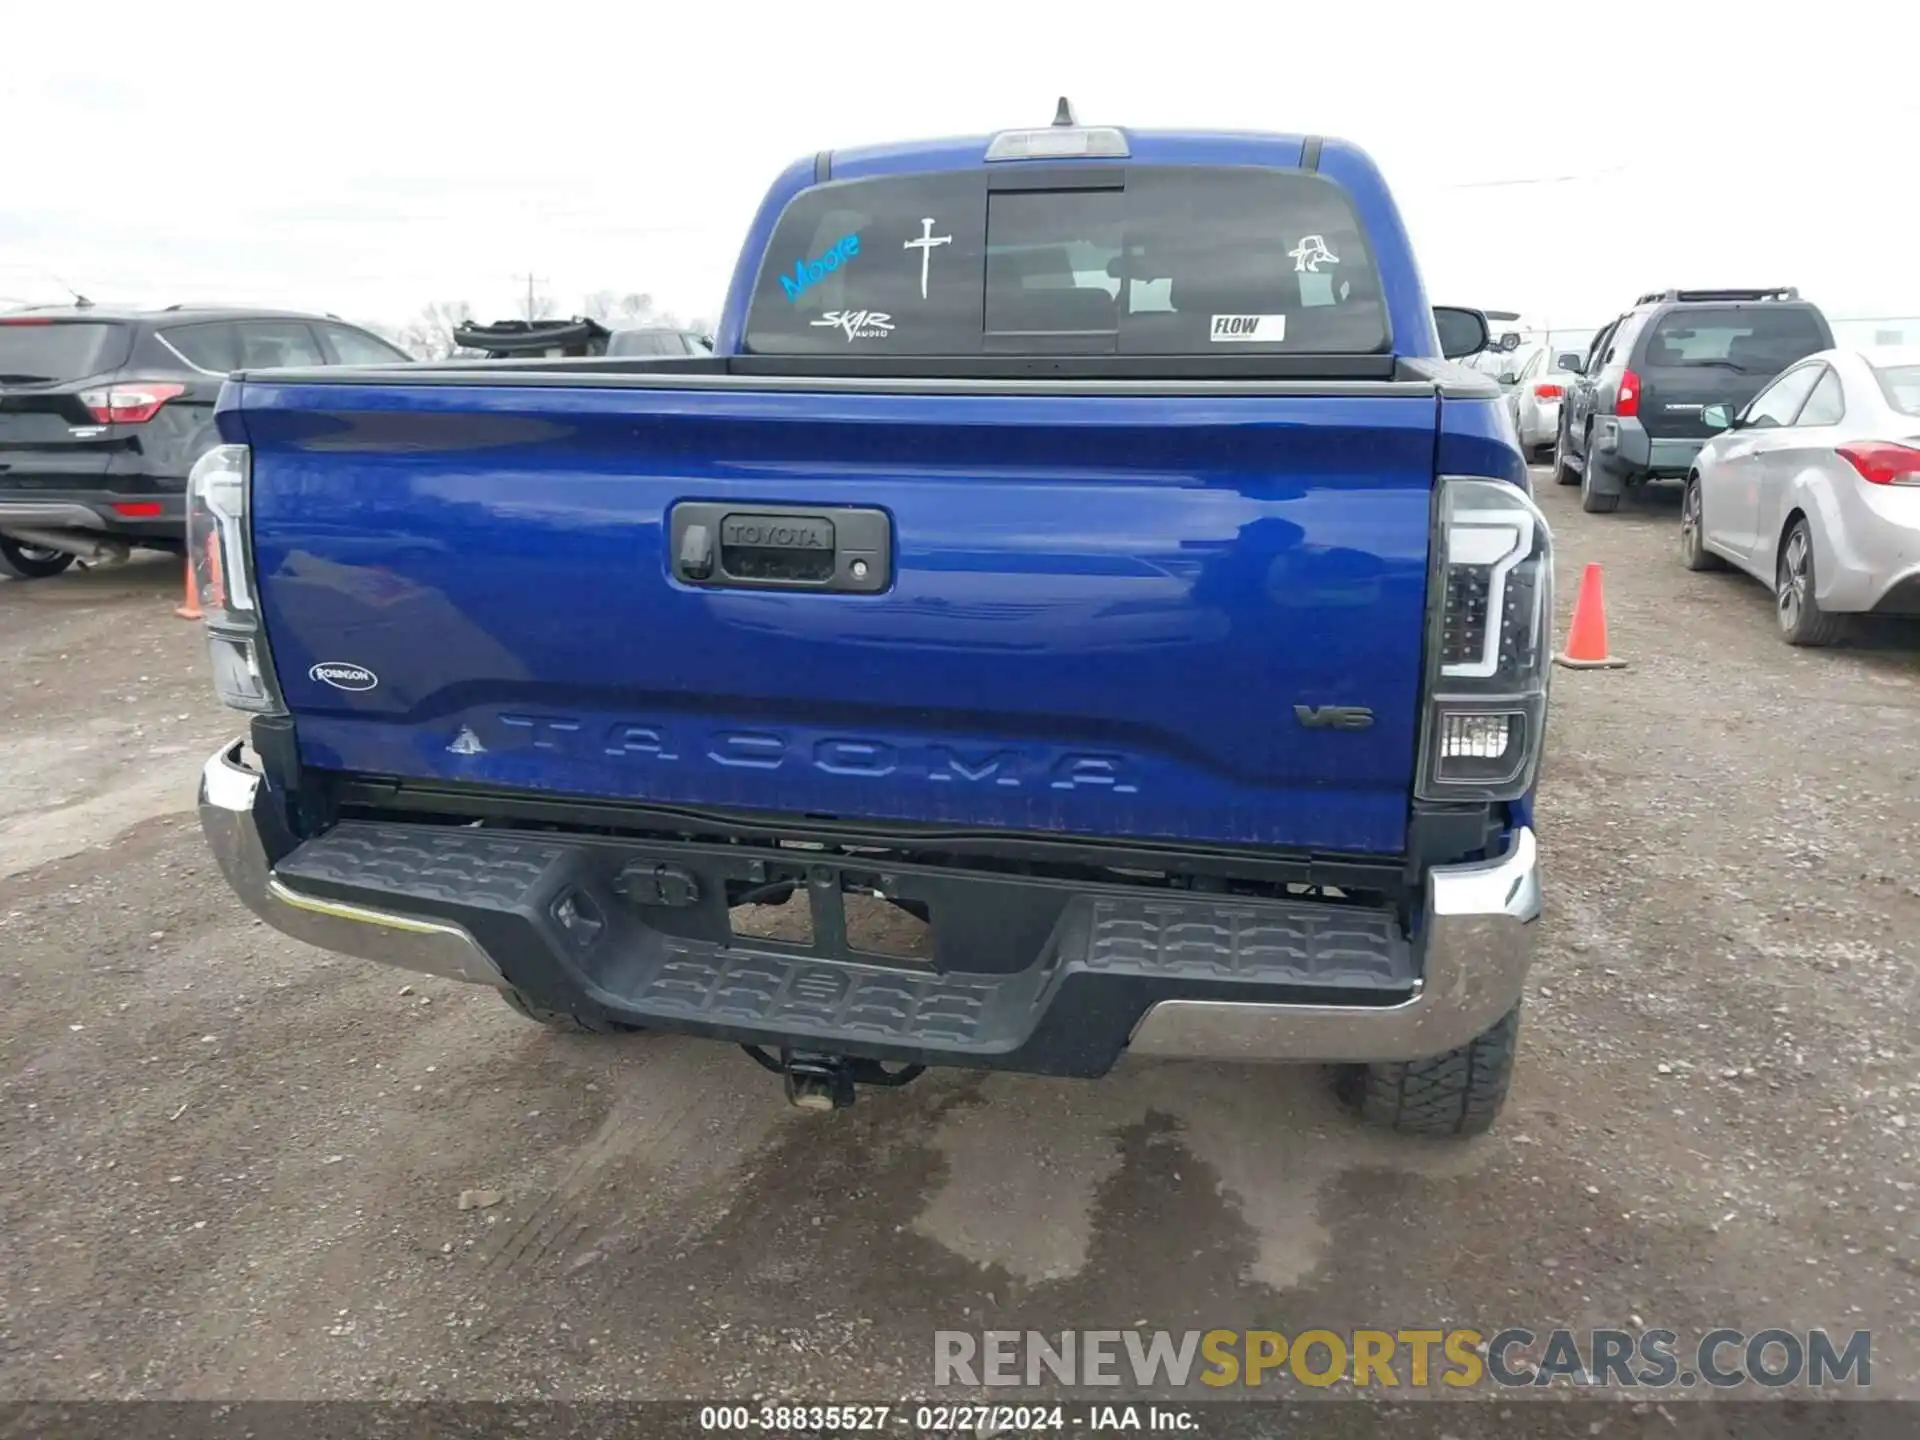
column 1455, row 1094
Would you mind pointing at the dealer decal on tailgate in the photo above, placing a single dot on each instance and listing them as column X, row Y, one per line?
column 1248, row 327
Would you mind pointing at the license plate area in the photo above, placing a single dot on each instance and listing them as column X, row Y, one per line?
column 921, row 918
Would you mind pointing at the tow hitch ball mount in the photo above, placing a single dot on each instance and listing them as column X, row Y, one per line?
column 817, row 1081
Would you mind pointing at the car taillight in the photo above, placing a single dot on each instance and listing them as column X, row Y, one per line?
column 1546, row 392
column 1488, row 646
column 1627, row 401
column 37, row 320
column 217, row 545
column 1881, row 462
column 139, row 509
column 130, row 402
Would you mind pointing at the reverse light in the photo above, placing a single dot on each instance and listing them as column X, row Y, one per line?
column 1488, row 645
column 1881, row 462
column 1626, row 402
column 217, row 548
column 1546, row 392
column 130, row 402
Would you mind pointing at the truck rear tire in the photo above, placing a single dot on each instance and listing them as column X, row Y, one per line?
column 1455, row 1094
column 30, row 562
column 565, row 1021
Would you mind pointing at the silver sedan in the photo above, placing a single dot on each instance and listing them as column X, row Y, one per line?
column 1814, row 488
column 1536, row 383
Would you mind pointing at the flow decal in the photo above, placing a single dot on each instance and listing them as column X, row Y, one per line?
column 809, row 273
column 342, row 675
column 1310, row 254
column 1262, row 328
column 925, row 245
column 858, row 324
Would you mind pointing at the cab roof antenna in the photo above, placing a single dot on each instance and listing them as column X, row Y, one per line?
column 1063, row 113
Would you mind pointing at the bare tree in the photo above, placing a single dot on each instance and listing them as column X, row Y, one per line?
column 429, row 335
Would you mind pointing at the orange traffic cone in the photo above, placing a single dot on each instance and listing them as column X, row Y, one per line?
column 1587, row 638
column 190, row 608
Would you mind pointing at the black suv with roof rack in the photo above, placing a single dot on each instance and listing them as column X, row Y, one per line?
column 104, row 410
column 1633, row 411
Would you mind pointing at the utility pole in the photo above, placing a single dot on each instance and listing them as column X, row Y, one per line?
column 532, row 280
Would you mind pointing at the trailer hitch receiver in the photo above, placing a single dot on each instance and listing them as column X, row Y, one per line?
column 817, row 1081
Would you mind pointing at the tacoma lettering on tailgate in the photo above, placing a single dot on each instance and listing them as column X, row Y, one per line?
column 834, row 755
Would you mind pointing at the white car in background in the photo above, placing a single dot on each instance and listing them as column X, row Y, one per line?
column 1535, row 381
column 1814, row 488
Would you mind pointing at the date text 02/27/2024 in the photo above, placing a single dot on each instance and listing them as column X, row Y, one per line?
column 967, row 1419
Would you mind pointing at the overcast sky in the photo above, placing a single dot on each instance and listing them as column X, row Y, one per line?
column 364, row 159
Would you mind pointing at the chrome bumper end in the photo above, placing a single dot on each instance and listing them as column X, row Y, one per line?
column 1479, row 931
column 230, row 794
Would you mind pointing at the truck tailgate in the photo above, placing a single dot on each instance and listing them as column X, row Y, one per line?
column 1192, row 615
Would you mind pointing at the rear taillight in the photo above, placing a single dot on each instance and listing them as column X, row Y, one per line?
column 23, row 320
column 217, row 541
column 1488, row 646
column 1627, row 401
column 131, row 402
column 1881, row 462
column 139, row 509
column 1546, row 392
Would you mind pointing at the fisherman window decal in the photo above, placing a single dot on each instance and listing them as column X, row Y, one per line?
column 1310, row 254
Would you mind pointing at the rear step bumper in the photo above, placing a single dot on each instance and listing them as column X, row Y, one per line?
column 626, row 930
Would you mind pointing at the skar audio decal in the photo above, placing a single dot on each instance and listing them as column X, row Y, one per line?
column 1261, row 328
column 1310, row 254
column 809, row 273
column 858, row 324
column 925, row 245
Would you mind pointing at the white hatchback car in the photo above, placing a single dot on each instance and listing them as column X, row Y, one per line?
column 1814, row 488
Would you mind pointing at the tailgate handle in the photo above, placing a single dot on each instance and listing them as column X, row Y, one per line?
column 781, row 547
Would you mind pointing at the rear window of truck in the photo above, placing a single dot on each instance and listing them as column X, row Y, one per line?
column 1760, row 340
column 1140, row 260
column 38, row 350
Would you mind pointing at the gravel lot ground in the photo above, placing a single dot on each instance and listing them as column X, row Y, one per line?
column 230, row 1166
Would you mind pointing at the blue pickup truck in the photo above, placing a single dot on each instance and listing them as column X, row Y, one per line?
column 1079, row 546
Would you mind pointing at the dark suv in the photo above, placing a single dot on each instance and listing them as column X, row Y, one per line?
column 1632, row 412
column 104, row 411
